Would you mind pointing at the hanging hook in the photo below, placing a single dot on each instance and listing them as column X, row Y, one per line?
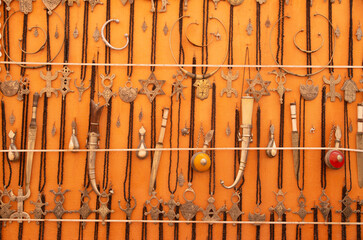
column 106, row 42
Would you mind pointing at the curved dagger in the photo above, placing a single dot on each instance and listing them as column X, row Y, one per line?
column 92, row 143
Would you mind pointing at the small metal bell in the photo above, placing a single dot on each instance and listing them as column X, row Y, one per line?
column 141, row 153
column 73, row 142
column 13, row 156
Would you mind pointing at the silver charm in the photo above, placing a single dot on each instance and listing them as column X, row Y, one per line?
column 58, row 210
column 54, row 130
column 189, row 209
column 93, row 3
column 280, row 208
column 268, row 23
column 140, row 115
column 81, row 89
column 48, row 86
column 185, row 5
column 23, row 88
column 332, row 82
column 171, row 215
column 359, row 33
column 154, row 211
column 203, row 86
column 178, row 85
column 163, row 6
column 5, row 207
column 312, row 129
column 350, row 89
column 65, row 80
column 261, row 1
column 347, row 211
column 216, row 3
column 325, row 207
column 128, row 93
column 234, row 211
column 144, row 26
column 107, row 42
column 56, row 34
column 25, row 6
column 96, row 34
column 12, row 119
column 103, row 209
column 51, row 5
column 36, row 33
column 157, row 87
column 271, row 143
column 181, row 179
column 73, row 142
column 258, row 81
column 302, row 212
column 20, row 214
column 9, row 87
column 141, row 153
column 185, row 131
column 128, row 210
column 118, row 122
column 7, row 2
column 309, row 91
column 107, row 93
column 228, row 130
column 75, row 33
column 249, row 28
column 280, row 80
column 256, row 216
column 38, row 211
column 211, row 213
column 165, row 29
column 85, row 209
column 337, row 32
column 13, row 156
column 229, row 78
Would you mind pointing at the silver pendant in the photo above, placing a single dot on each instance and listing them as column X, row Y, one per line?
column 229, row 78
column 325, row 207
column 93, row 3
column 185, row 131
column 234, row 211
column 81, row 89
column 156, row 90
column 189, row 209
column 54, row 130
column 36, row 33
column 268, row 23
column 7, row 2
column 178, row 85
column 359, row 33
column 249, row 28
column 347, row 211
column 51, row 5
column 258, row 81
column 332, row 82
column 309, row 91
column 185, row 5
column 228, row 130
column 203, row 86
column 141, row 153
column 165, row 29
column 23, row 88
column 73, row 142
column 154, row 203
column 103, row 209
column 107, row 93
column 350, row 89
column 211, row 213
column 302, row 212
column 96, row 34
column 48, row 90
column 85, row 209
column 128, row 93
column 65, row 80
column 75, row 33
column 5, row 207
column 25, row 6
column 181, row 179
column 20, row 213
column 171, row 215
column 38, row 211
column 216, row 3
column 261, row 1
column 280, row 80
column 140, row 115
column 144, row 26
column 280, row 208
column 118, row 122
column 256, row 216
column 9, row 87
column 58, row 210
column 337, row 32
column 128, row 210
column 271, row 144
column 13, row 156
column 12, row 119
column 56, row 34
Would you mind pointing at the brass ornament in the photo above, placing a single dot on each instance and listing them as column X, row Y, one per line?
column 107, row 93
column 93, row 3
column 38, row 211
column 48, row 90
column 256, row 216
column 229, row 78
column 51, row 5
column 58, row 210
column 9, row 87
column 324, row 203
column 65, row 80
column 13, row 155
column 154, row 211
column 157, row 87
column 128, row 210
column 189, row 209
column 185, row 130
column 203, row 86
column 5, row 207
column 23, row 88
column 164, row 3
column 257, row 81
column 20, row 213
column 280, row 80
column 235, row 212
column 172, row 204
column 332, row 82
column 178, row 85
column 107, row 43
column 85, row 210
column 211, row 213
column 302, row 211
column 81, row 89
column 280, row 208
column 128, row 93
column 103, row 209
column 309, row 91
column 350, row 89
column 347, row 211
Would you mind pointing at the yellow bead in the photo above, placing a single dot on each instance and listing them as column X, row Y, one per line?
column 201, row 162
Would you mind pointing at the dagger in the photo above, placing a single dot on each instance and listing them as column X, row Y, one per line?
column 32, row 133
column 92, row 143
column 158, row 152
column 295, row 141
column 360, row 144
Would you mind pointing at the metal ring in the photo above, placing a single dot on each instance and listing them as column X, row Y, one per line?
column 308, row 51
column 308, row 74
column 25, row 66
column 195, row 44
column 105, row 40
column 192, row 75
column 41, row 47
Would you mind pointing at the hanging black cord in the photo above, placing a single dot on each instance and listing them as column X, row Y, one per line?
column 350, row 51
column 85, row 40
column 258, row 179
column 4, row 133
column 323, row 144
column 153, row 38
column 230, row 38
column 6, row 39
column 330, row 16
column 205, row 35
column 212, row 169
column 258, row 35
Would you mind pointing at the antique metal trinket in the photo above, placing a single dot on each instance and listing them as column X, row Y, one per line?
column 178, row 85
column 81, row 89
column 107, row 93
column 332, row 82
column 128, row 93
column 96, row 34
column 359, row 142
column 165, row 29
column 261, row 1
column 23, row 88
column 181, row 179
column 256, row 216
column 334, row 158
column 9, row 87
column 54, row 130
column 203, row 86
column 271, row 143
column 359, row 33
column 229, row 78
column 144, row 26
column 350, row 89
column 280, row 80
column 211, row 213
column 75, row 33
column 164, row 3
column 70, row 2
column 5, row 207
column 268, row 23
column 56, row 34
column 12, row 119
column 103, row 209
column 58, row 210
column 249, row 28
column 302, row 211
column 280, row 208
column 156, row 87
column 257, row 81
column 20, row 213
column 228, row 130
column 185, row 130
column 295, row 140
column 154, row 211
column 189, row 209
column 141, row 152
column 128, row 210
column 140, row 115
column 235, row 2
column 108, row 44
column 13, row 154
column 25, row 6
column 65, row 80
column 7, row 2
column 325, row 207
column 309, row 91
column 93, row 3
column 234, row 211
column 51, row 5
column 347, row 211
column 172, row 204
column 118, row 122
column 84, row 210
column 73, row 142
column 48, row 90
column 337, row 32
column 39, row 211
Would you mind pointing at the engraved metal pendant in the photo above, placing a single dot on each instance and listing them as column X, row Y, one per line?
column 268, row 22
column 185, row 130
column 73, row 142
column 280, row 80
column 12, row 119
column 85, row 209
column 211, row 213
column 234, row 211
column 189, row 209
column 9, row 87
column 38, row 211
column 141, row 152
column 280, row 208
column 302, row 211
column 128, row 93
column 20, row 213
column 81, row 89
column 249, row 28
column 118, row 122
column 154, row 211
column 359, row 33
column 309, row 91
column 337, row 32
column 347, row 211
column 93, row 3
column 203, row 86
column 178, row 85
column 25, row 6
column 235, row 2
column 51, row 5
column 75, row 33
column 228, row 130
column 54, row 130
column 332, row 82
column 229, row 78
column 65, row 80
column 5, row 207
column 256, row 216
column 56, row 34
column 58, row 210
column 13, row 155
column 181, row 179
column 258, row 81
column 96, row 34
column 107, row 93
column 144, row 26
column 325, row 207
column 216, row 3
column 172, row 204
column 156, row 87
column 128, row 210
column 23, row 88
column 165, row 29
column 350, row 89
column 103, row 209
column 48, row 90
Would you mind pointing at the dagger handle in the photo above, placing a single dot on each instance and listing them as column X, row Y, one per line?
column 360, row 117
column 33, row 122
column 293, row 116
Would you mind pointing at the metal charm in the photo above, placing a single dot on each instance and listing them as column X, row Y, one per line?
column 235, row 2
column 350, row 89
column 337, row 32
column 12, row 119
column 325, row 205
column 181, row 179
column 56, row 34
column 234, row 211
column 107, row 93
column 118, row 122
column 252, row 83
column 20, row 214
column 96, row 34
column 203, row 86
column 103, row 209
column 309, row 91
column 128, row 93
column 271, row 144
column 39, row 211
column 171, row 215
column 140, row 115
column 312, row 129
column 93, row 3
column 73, row 142
column 5, row 208
column 23, row 88
column 65, row 80
column 141, row 153
column 268, row 23
column 75, row 33
column 302, row 212
column 347, row 211
column 84, row 210
column 157, row 87
column 280, row 208
column 25, row 6
column 229, row 78
column 70, row 2
column 7, row 2
column 165, row 29
column 54, row 130
column 211, row 213
column 58, row 210
column 216, row 3
column 9, row 87
column 128, row 210
column 261, row 1
column 154, row 211
column 249, row 28
column 81, row 89
column 280, row 80
column 13, row 156
column 51, row 5
column 185, row 5
column 359, row 33
column 48, row 86
column 163, row 5
column 185, row 131
column 107, row 42
column 144, row 26
column 256, row 216
column 189, row 209
column 332, row 82
column 228, row 130
column 178, row 85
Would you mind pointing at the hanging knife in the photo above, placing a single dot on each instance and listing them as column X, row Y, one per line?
column 360, row 144
column 32, row 133
column 295, row 141
column 157, row 154
column 92, row 143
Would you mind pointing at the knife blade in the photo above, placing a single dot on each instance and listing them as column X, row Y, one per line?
column 359, row 141
column 295, row 141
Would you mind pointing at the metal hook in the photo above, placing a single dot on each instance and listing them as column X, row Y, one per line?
column 106, row 42
column 41, row 47
column 308, row 51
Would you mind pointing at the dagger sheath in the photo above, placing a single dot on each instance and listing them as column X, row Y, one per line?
column 296, row 153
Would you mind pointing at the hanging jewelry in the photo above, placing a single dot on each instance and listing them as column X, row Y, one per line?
column 51, row 5
column 178, row 85
column 185, row 131
column 280, row 208
column 70, row 2
column 58, row 210
column 75, row 33
column 203, row 86
column 12, row 118
column 337, row 32
column 257, row 81
column 23, row 88
column 65, row 80
column 308, row 51
column 309, row 91
column 20, row 213
column 7, row 2
column 96, row 34
column 107, row 93
column 201, row 161
column 229, row 78
column 128, row 93
column 280, row 80
column 249, row 28
column 81, row 89
column 234, row 211
column 141, row 153
column 271, row 144
column 157, row 87
column 13, row 155
column 350, row 89
column 325, row 207
column 165, row 29
column 85, row 210
column 347, row 210
column 334, row 158
column 211, row 213
column 302, row 211
column 56, row 34
column 144, row 26
column 107, row 42
column 118, row 122
column 164, row 3
column 171, row 215
column 9, row 87
column 128, row 210
column 268, row 23
column 25, row 6
column 54, row 130
column 73, row 142
column 359, row 33
column 256, row 216
column 48, row 90
column 235, row 2
column 93, row 3
column 189, row 209
column 103, row 209
column 140, row 115
column 38, row 210
column 154, row 211
column 5, row 207
column 181, row 179
column 228, row 130
column 312, row 129
column 332, row 82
